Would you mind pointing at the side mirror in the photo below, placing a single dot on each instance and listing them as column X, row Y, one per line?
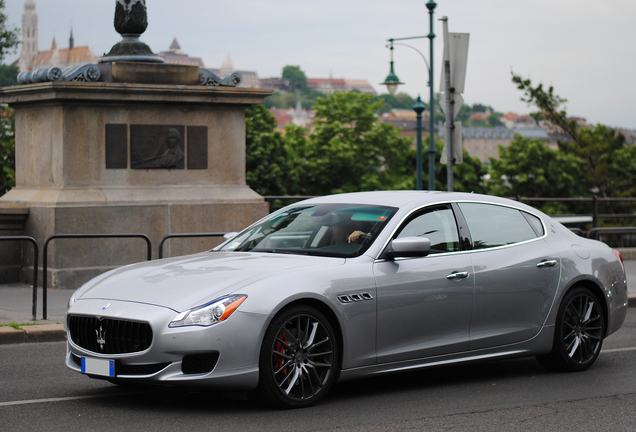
column 407, row 247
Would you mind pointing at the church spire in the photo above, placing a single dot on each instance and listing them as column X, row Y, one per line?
column 71, row 41
column 29, row 48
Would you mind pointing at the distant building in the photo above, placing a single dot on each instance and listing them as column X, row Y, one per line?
column 403, row 113
column 483, row 143
column 323, row 85
column 275, row 84
column 326, row 85
column 175, row 56
column 250, row 78
column 283, row 117
column 516, row 121
column 360, row 85
column 30, row 56
column 408, row 127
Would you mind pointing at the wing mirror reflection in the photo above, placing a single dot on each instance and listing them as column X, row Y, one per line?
column 229, row 236
column 407, row 247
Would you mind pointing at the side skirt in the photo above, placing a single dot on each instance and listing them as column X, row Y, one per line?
column 539, row 344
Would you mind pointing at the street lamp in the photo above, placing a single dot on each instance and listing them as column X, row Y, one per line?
column 419, row 109
column 392, row 82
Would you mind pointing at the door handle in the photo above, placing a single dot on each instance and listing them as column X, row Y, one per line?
column 547, row 263
column 458, row 275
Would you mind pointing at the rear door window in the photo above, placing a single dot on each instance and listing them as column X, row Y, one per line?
column 491, row 225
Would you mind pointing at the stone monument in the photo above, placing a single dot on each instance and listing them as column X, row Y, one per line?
column 130, row 145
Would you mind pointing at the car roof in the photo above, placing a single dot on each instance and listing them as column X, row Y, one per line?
column 409, row 198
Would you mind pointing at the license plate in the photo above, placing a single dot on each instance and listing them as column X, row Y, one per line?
column 101, row 367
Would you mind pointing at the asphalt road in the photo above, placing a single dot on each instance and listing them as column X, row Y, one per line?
column 37, row 392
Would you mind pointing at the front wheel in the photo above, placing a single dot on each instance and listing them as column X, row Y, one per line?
column 579, row 332
column 298, row 360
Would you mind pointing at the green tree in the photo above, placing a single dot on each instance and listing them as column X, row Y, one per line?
column 349, row 149
column 9, row 40
column 294, row 77
column 597, row 147
column 624, row 169
column 9, row 36
column 467, row 177
column 7, row 150
column 8, row 75
column 265, row 153
column 530, row 168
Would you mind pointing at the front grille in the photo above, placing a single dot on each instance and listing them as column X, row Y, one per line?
column 199, row 363
column 122, row 369
column 109, row 336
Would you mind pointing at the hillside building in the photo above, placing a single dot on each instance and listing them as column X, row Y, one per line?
column 31, row 58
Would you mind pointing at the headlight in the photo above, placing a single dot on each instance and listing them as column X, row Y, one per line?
column 71, row 302
column 208, row 314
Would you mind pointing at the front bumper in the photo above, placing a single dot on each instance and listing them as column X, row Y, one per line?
column 234, row 346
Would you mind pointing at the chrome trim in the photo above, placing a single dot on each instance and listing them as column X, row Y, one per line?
column 344, row 299
column 458, row 275
column 448, row 202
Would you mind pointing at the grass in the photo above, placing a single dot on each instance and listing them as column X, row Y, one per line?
column 19, row 326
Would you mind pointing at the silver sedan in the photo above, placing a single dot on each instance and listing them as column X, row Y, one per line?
column 352, row 285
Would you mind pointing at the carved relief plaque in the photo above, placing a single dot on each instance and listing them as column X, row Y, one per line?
column 157, row 146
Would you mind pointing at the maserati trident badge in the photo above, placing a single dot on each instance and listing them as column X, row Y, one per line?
column 101, row 334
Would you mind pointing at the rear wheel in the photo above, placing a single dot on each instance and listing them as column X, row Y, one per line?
column 298, row 360
column 579, row 332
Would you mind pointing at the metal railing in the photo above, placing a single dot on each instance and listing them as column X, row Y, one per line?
column 594, row 201
column 36, row 253
column 593, row 233
column 80, row 236
column 186, row 235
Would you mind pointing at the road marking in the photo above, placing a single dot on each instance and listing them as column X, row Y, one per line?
column 61, row 399
column 618, row 350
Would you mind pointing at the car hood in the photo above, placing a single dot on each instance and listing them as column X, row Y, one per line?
column 185, row 282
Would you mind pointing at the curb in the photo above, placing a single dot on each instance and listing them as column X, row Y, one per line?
column 30, row 334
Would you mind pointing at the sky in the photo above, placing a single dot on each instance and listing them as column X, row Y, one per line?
column 586, row 49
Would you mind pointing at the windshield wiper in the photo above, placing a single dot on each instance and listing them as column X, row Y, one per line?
column 282, row 251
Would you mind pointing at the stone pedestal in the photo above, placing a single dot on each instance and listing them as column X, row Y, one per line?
column 98, row 158
column 12, row 220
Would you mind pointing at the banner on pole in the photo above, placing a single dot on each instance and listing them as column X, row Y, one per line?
column 456, row 51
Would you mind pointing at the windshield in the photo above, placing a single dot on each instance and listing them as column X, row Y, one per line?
column 340, row 230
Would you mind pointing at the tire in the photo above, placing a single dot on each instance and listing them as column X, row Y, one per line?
column 578, row 334
column 298, row 360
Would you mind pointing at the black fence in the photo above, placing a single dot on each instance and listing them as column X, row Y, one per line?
column 78, row 236
column 593, row 206
column 85, row 236
column 36, row 253
column 186, row 235
column 613, row 236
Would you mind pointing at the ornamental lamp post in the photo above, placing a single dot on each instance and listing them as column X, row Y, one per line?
column 419, row 109
column 392, row 82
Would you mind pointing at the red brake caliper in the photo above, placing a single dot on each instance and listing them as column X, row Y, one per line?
column 280, row 347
